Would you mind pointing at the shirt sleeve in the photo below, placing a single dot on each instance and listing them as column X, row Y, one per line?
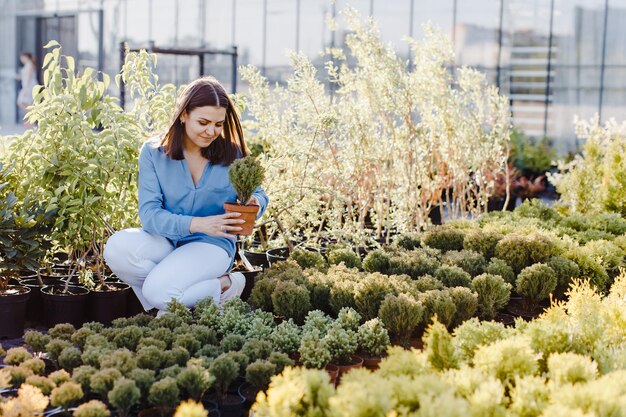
column 154, row 218
column 263, row 200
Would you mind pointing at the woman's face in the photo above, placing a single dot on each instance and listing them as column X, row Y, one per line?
column 203, row 125
column 23, row 59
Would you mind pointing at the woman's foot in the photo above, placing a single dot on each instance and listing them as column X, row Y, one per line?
column 235, row 283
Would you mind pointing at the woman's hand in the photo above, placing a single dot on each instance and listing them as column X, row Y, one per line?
column 218, row 225
column 252, row 200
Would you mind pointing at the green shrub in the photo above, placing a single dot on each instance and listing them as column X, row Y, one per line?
column 259, row 373
column 149, row 357
column 18, row 375
column 377, row 261
column 401, row 315
column 317, row 320
column 590, row 268
column 225, row 370
column 341, row 343
column 59, row 377
column 481, row 241
column 408, row 241
column 17, row 355
column 348, row 319
column 261, row 295
column 471, row 262
column 342, row 295
column 187, row 341
column 286, row 337
column 499, row 267
column 246, row 174
column 82, row 375
column 70, row 358
column 370, row 293
column 417, row 263
column 453, row 276
column 92, row 408
column 439, row 348
column 438, row 303
column 308, row 259
column 256, row 349
column 176, row 356
column 62, row 331
column 44, row 384
column 373, row 338
column 345, row 255
column 537, row 209
column 36, row 365
column 144, row 378
column 493, row 294
column 171, row 371
column 164, row 393
column 520, row 251
column 471, row 334
column 66, row 395
column 571, row 368
column 55, row 346
column 241, row 359
column 466, row 303
column 129, row 337
column 314, row 352
column 167, row 321
column 507, row 359
column 194, row 381
column 232, row 342
column 122, row 359
column 610, row 256
column 180, row 310
column 280, row 360
column 101, row 382
column 97, row 340
column 291, row 300
column 79, row 337
column 36, row 340
column 91, row 356
column 427, row 283
column 535, row 283
column 444, row 239
column 124, row 395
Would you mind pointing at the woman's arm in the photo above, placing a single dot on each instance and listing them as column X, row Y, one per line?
column 154, row 218
column 262, row 199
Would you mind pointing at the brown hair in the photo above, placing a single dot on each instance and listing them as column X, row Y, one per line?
column 30, row 57
column 207, row 91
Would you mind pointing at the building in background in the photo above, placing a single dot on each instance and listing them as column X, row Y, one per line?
column 554, row 58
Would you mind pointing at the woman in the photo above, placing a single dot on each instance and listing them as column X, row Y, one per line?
column 28, row 78
column 186, row 245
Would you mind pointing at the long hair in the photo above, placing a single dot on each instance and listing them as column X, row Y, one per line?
column 207, row 91
column 30, row 57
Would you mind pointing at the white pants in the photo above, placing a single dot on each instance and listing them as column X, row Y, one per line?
column 158, row 272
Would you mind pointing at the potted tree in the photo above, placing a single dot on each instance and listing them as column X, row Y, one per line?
column 246, row 175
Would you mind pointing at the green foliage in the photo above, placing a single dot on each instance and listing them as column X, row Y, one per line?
column 55, row 346
column 590, row 268
column 176, row 356
column 481, row 241
column 401, row 315
column 348, row 319
column 187, row 341
column 438, row 303
column 178, row 309
column 164, row 393
column 532, row 156
column 427, row 283
column 101, row 382
column 474, row 333
column 149, row 357
column 257, row 349
column 373, row 338
column 417, row 263
column 194, row 381
column 439, row 348
column 36, row 365
column 291, row 300
column 66, row 395
column 79, row 337
column 308, row 259
column 466, row 303
column 341, row 343
column 345, row 255
column 377, row 261
column 59, row 377
column 246, row 174
column 499, row 267
column 314, row 352
column 444, row 239
column 232, row 342
column 62, row 331
column 571, row 368
column 92, row 408
column 82, row 375
column 520, row 251
column 408, row 241
column 144, row 378
column 506, row 359
column 493, row 294
column 471, row 262
column 370, row 293
column 128, row 337
column 286, row 337
column 121, row 359
column 280, row 360
column 225, row 370
column 70, row 358
column 261, row 295
column 535, row 283
column 453, row 276
column 44, row 384
column 17, row 355
column 124, row 395
column 259, row 372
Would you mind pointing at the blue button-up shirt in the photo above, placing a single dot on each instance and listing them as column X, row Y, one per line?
column 168, row 198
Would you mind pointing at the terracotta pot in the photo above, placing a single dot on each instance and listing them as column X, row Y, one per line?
column 333, row 372
column 355, row 362
column 248, row 213
column 13, row 302
column 371, row 363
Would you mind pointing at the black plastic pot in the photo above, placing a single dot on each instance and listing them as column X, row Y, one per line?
column 257, row 258
column 232, row 407
column 13, row 311
column 250, row 278
column 64, row 308
column 34, row 307
column 211, row 407
column 108, row 305
column 248, row 393
column 133, row 305
column 277, row 255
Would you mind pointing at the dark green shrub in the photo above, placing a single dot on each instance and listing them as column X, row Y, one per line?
column 79, row 338
column 176, row 356
column 520, row 251
column 70, row 358
column 609, row 255
column 471, row 262
column 144, row 378
column 590, row 268
column 612, row 223
column 256, row 349
column 180, row 310
column 535, row 283
column 128, row 337
column 342, row 295
column 246, row 174
column 124, row 395
column 401, row 315
column 415, row 264
column 481, row 241
column 261, row 295
column 163, row 334
column 536, row 209
column 240, row 359
column 121, row 359
column 170, row 371
column 438, row 303
column 194, row 381
column 55, row 346
column 98, row 340
column 427, row 283
column 94, row 326
column 66, row 395
column 225, row 370
column 259, row 373
column 209, row 351
column 149, row 357
column 466, row 303
column 493, row 294
column 499, row 267
column 168, row 321
column 373, row 338
column 101, row 382
column 565, row 270
column 151, row 341
column 187, row 341
column 62, row 331
column 280, row 360
column 204, row 334
column 121, row 322
column 370, row 293
column 453, row 276
column 308, row 259
column 377, row 261
column 291, row 300
column 36, row 340
column 164, row 393
column 232, row 342
column 141, row 320
column 286, row 337
column 408, row 241
column 82, row 375
column 345, row 255
column 443, row 238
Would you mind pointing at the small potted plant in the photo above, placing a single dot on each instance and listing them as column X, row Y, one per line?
column 373, row 340
column 93, row 408
column 124, row 395
column 342, row 344
column 194, row 381
column 258, row 375
column 314, row 353
column 493, row 294
column 225, row 370
column 246, row 175
column 535, row 284
column 163, row 395
column 401, row 315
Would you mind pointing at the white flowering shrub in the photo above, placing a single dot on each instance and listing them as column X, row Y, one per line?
column 389, row 144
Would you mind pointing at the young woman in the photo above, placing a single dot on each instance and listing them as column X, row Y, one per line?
column 186, row 245
column 28, row 78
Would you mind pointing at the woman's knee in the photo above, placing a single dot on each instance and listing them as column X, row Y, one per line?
column 118, row 250
column 158, row 293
